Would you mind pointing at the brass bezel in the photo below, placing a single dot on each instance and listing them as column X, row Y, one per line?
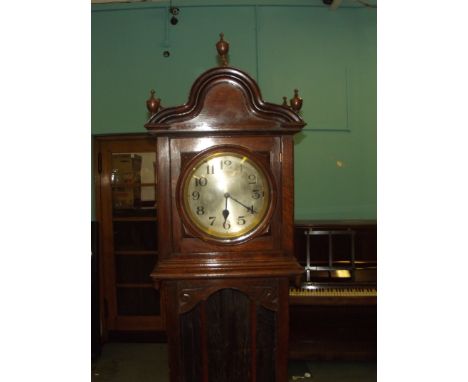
column 193, row 226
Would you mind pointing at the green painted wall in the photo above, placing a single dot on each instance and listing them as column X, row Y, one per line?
column 329, row 56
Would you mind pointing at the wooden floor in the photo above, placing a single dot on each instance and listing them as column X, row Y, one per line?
column 147, row 362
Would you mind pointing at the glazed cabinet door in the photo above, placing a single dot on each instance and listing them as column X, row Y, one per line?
column 126, row 204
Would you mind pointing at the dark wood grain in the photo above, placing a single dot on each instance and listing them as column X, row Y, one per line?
column 234, row 291
column 266, row 344
column 191, row 343
column 225, row 100
column 228, row 334
column 333, row 332
column 95, row 306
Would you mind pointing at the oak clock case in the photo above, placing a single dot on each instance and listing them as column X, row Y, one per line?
column 225, row 213
column 226, row 195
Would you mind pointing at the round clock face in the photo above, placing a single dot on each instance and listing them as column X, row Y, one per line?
column 226, row 195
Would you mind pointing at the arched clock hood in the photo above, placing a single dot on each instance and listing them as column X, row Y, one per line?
column 230, row 99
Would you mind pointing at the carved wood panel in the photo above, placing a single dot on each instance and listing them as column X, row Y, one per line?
column 228, row 336
column 262, row 292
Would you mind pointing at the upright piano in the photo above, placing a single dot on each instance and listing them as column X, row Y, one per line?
column 333, row 311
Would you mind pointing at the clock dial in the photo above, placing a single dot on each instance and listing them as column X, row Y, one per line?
column 226, row 195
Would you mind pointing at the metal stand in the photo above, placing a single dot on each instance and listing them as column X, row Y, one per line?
column 308, row 284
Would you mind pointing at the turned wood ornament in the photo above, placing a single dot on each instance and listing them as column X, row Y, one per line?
column 296, row 101
column 153, row 104
column 222, row 47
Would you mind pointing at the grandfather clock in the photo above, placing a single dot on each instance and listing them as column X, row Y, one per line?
column 225, row 205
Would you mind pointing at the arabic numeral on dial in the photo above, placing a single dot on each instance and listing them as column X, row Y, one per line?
column 252, row 179
column 241, row 220
column 200, row 210
column 226, row 225
column 210, row 169
column 202, row 181
column 256, row 194
column 225, row 163
column 212, row 218
column 195, row 195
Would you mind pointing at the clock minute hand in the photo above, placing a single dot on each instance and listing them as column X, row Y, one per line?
column 242, row 204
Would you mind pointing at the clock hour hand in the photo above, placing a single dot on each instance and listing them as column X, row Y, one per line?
column 250, row 209
column 225, row 211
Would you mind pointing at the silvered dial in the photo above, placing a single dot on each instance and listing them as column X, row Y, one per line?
column 226, row 195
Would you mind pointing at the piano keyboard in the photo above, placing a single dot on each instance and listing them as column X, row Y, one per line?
column 334, row 292
column 333, row 295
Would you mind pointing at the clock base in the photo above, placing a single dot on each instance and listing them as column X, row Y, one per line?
column 227, row 329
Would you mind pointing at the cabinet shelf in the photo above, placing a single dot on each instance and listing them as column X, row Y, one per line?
column 130, row 185
column 137, row 213
column 134, row 285
column 135, row 219
column 136, row 253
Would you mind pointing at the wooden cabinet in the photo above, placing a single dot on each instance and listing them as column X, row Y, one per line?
column 225, row 160
column 126, row 209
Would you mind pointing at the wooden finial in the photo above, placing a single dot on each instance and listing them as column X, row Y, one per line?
column 223, row 48
column 153, row 104
column 296, row 101
column 285, row 101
